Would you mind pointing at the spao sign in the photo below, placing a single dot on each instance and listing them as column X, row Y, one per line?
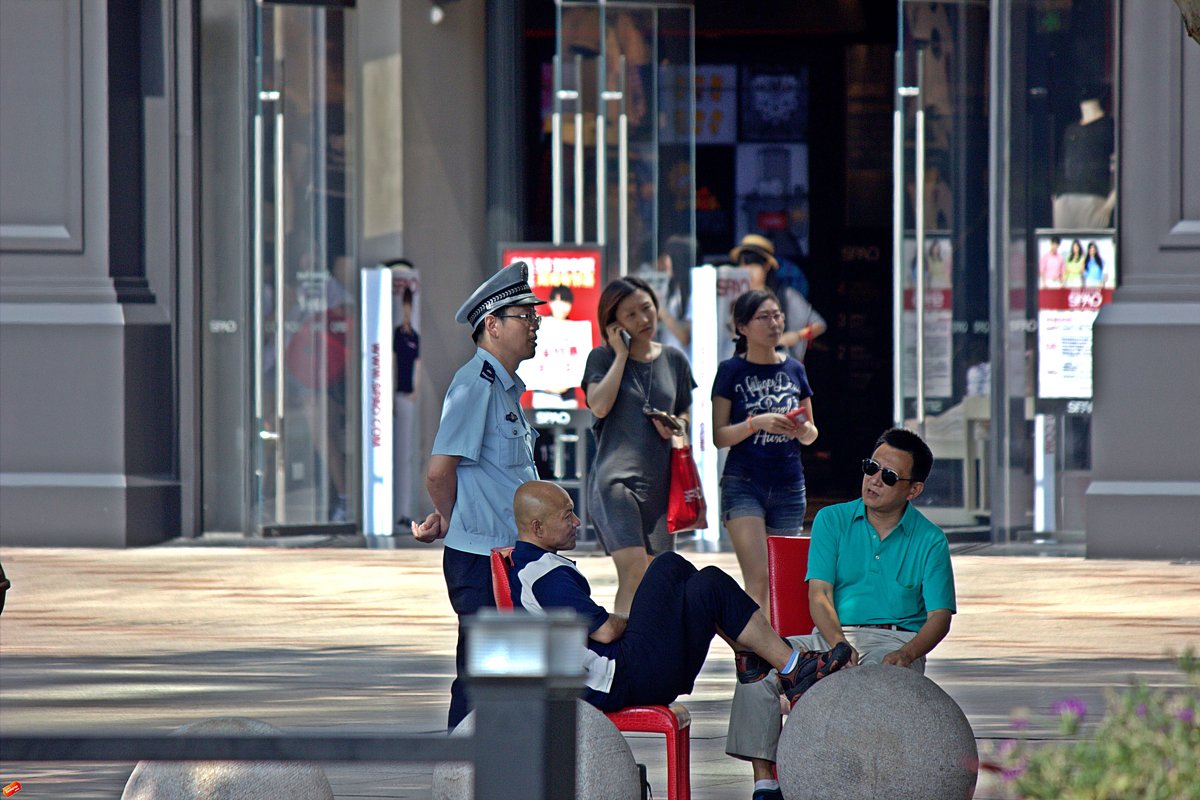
column 550, row 419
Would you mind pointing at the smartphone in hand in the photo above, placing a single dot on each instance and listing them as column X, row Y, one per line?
column 796, row 413
column 626, row 338
column 664, row 418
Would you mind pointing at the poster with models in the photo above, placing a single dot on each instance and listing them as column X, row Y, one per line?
column 1077, row 274
column 939, row 316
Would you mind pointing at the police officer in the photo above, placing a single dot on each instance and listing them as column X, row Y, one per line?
column 483, row 450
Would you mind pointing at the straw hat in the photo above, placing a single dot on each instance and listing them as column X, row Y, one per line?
column 753, row 242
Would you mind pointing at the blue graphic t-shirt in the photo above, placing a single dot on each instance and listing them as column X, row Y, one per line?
column 766, row 458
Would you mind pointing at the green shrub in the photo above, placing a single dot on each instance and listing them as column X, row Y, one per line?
column 1147, row 747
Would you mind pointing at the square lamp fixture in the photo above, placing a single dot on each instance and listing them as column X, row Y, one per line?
column 523, row 645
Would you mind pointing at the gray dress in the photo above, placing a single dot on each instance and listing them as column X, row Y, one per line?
column 629, row 481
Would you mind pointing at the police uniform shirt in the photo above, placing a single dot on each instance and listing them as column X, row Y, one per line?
column 482, row 424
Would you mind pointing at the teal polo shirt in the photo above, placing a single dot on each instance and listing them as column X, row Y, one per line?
column 897, row 581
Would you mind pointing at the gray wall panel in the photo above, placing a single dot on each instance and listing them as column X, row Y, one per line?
column 41, row 162
column 1119, row 527
column 225, row 273
column 379, row 167
column 1189, row 155
column 81, row 274
column 1144, row 499
column 87, row 384
column 445, row 221
column 63, row 391
column 1159, row 178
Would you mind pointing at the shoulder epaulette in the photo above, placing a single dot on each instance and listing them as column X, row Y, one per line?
column 488, row 373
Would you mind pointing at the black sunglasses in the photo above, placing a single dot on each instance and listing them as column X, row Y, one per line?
column 889, row 476
column 750, row 257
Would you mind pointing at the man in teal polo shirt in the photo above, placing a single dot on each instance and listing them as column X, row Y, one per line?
column 879, row 579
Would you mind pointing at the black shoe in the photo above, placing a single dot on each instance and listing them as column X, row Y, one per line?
column 751, row 667
column 810, row 668
column 767, row 794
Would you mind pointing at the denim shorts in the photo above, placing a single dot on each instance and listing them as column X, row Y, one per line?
column 781, row 507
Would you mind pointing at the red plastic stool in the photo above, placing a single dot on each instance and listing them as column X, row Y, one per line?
column 674, row 722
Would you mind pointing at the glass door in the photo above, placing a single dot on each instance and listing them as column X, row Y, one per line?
column 941, row 290
column 304, row 281
column 623, row 134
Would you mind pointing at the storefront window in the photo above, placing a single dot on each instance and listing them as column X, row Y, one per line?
column 1061, row 198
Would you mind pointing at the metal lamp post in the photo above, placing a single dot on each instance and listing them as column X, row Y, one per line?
column 525, row 674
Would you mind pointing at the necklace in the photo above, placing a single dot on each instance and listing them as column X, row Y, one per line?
column 643, row 386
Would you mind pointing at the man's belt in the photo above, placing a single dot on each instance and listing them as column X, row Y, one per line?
column 884, row 627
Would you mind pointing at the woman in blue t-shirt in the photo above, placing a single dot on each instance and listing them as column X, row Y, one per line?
column 762, row 411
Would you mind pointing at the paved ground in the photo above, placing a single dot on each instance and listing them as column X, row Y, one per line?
column 362, row 640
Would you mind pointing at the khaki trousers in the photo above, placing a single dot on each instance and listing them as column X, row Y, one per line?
column 755, row 720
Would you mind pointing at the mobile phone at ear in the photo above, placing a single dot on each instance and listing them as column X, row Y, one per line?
column 625, row 337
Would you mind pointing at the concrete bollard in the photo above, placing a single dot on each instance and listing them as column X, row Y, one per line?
column 877, row 731
column 605, row 769
column 227, row 780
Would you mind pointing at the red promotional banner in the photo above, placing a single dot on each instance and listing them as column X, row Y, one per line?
column 569, row 279
column 1073, row 299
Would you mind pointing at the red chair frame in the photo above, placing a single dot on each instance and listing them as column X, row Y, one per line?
column 674, row 721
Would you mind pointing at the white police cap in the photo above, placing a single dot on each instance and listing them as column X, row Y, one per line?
column 508, row 287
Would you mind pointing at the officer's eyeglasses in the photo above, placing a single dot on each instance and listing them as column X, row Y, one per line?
column 889, row 476
column 530, row 317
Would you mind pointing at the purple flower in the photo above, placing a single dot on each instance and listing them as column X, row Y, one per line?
column 1186, row 715
column 1070, row 707
column 1012, row 774
column 1140, row 710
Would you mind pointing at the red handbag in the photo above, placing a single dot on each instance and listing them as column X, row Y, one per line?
column 686, row 509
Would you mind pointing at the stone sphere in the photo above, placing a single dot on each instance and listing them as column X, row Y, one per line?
column 227, row 780
column 604, row 769
column 877, row 731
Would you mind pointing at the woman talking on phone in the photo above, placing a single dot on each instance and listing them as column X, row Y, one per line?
column 640, row 392
column 762, row 411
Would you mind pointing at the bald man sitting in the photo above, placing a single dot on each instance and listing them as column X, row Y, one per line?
column 653, row 655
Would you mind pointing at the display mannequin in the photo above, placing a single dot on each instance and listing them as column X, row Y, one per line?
column 1084, row 192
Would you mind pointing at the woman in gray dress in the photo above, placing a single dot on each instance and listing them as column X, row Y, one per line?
column 640, row 392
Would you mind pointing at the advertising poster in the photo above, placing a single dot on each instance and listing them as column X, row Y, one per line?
column 939, row 317
column 1076, row 277
column 406, row 354
column 773, row 103
column 731, row 282
column 376, row 374
column 772, row 195
column 569, row 279
column 713, row 119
